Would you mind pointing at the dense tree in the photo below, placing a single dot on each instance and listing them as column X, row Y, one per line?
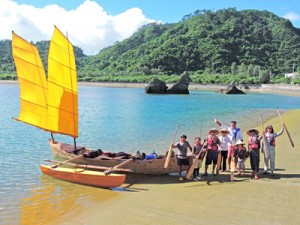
column 229, row 42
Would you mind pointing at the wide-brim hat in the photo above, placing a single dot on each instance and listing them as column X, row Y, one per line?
column 223, row 130
column 239, row 142
column 213, row 130
column 252, row 130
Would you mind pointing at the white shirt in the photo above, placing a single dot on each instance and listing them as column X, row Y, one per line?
column 239, row 135
column 225, row 141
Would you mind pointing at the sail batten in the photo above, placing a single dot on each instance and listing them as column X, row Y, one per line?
column 62, row 86
column 33, row 84
column 49, row 105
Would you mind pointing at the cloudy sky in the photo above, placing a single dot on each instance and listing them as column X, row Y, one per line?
column 96, row 24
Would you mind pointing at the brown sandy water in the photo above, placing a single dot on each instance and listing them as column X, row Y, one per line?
column 215, row 200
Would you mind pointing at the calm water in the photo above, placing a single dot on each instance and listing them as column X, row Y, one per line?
column 113, row 119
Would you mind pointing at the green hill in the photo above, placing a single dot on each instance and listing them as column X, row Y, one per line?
column 226, row 42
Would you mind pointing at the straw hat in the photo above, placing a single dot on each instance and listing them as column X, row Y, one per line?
column 223, row 130
column 252, row 130
column 214, row 130
column 239, row 142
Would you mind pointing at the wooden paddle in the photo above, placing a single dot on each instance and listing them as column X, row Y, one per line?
column 287, row 132
column 219, row 159
column 89, row 166
column 170, row 150
column 117, row 166
column 232, row 163
column 266, row 149
column 66, row 161
column 189, row 173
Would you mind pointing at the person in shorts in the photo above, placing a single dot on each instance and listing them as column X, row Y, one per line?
column 212, row 149
column 182, row 159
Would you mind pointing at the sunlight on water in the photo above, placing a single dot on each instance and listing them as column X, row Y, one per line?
column 113, row 119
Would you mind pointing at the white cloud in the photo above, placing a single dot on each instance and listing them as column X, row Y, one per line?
column 292, row 16
column 88, row 26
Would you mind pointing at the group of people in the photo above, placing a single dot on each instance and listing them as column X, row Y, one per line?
column 227, row 145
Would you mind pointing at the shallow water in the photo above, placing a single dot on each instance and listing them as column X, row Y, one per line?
column 113, row 119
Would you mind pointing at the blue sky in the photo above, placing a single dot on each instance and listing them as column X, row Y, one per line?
column 171, row 11
column 108, row 21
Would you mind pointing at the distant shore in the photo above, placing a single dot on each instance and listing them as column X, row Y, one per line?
column 263, row 88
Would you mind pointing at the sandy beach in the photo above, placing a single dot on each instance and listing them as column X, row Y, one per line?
column 264, row 88
column 215, row 200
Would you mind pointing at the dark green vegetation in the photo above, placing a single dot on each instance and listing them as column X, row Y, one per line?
column 248, row 46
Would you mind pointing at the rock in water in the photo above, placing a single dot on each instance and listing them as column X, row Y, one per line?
column 231, row 90
column 156, row 87
column 181, row 86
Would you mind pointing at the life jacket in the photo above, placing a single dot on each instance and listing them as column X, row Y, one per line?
column 253, row 142
column 271, row 139
column 212, row 143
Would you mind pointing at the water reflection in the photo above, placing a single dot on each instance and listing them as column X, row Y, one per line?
column 55, row 200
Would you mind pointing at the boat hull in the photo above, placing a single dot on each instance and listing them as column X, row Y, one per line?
column 86, row 177
column 152, row 166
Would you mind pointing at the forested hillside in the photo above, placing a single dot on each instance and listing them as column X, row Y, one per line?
column 7, row 67
column 209, row 45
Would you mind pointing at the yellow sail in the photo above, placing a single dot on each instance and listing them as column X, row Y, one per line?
column 62, row 86
column 33, row 84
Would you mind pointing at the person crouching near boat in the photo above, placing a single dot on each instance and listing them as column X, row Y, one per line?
column 241, row 154
column 196, row 151
column 182, row 159
column 212, row 148
column 225, row 142
column 253, row 148
column 270, row 137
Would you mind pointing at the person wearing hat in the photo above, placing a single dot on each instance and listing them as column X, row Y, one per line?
column 241, row 154
column 182, row 159
column 196, row 151
column 270, row 141
column 235, row 133
column 212, row 148
column 253, row 147
column 225, row 141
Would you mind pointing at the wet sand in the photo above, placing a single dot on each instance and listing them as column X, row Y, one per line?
column 215, row 200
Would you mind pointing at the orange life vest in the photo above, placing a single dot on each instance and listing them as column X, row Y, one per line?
column 253, row 142
column 212, row 143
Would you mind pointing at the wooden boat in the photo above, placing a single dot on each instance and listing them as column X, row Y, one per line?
column 86, row 177
column 52, row 105
column 151, row 166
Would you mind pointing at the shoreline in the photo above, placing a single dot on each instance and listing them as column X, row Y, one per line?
column 263, row 88
column 152, row 197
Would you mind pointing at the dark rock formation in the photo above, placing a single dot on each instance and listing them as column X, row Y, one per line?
column 181, row 86
column 156, row 87
column 231, row 89
column 159, row 87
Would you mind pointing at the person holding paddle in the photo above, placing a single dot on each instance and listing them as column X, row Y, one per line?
column 225, row 141
column 253, row 147
column 197, row 150
column 212, row 148
column 182, row 159
column 270, row 141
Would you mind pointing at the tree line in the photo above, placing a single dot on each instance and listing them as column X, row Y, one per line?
column 249, row 46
